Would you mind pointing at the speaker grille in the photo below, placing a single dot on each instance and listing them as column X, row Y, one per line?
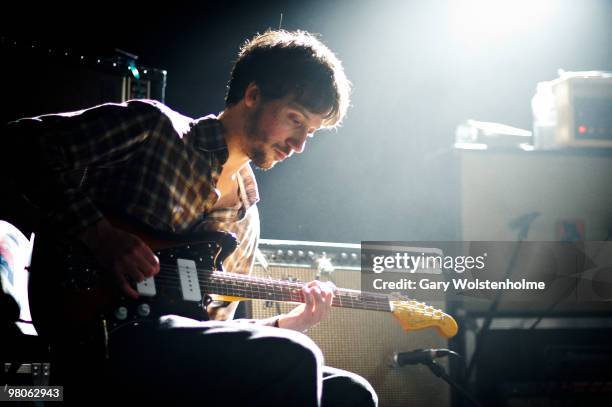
column 363, row 342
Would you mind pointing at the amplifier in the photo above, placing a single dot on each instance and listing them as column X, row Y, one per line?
column 355, row 340
column 43, row 79
column 574, row 110
column 545, row 367
column 569, row 189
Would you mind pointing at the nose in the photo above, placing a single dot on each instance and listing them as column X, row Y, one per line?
column 297, row 143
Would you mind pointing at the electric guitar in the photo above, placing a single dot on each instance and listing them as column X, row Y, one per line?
column 69, row 295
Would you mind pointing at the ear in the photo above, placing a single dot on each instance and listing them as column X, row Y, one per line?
column 252, row 95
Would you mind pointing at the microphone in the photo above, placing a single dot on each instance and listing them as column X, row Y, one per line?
column 417, row 356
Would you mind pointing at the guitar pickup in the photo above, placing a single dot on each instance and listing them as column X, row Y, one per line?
column 190, row 285
column 146, row 287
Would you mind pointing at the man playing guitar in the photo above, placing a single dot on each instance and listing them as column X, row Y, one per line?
column 174, row 174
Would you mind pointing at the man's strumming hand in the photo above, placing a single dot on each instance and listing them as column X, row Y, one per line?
column 123, row 254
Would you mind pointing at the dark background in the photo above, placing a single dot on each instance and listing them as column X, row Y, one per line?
column 388, row 173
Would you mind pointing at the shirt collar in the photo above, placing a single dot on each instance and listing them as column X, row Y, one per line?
column 209, row 136
column 249, row 193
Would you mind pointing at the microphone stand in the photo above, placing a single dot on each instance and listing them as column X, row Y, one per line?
column 439, row 371
column 523, row 223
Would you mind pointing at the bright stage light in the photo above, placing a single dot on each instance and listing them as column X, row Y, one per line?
column 477, row 22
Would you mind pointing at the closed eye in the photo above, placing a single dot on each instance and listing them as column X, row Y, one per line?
column 299, row 122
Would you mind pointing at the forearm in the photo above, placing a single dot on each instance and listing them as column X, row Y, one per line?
column 271, row 321
column 287, row 321
column 224, row 311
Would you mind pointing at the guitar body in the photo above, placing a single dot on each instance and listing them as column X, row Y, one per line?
column 71, row 297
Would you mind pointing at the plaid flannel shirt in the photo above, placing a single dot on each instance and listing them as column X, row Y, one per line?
column 153, row 163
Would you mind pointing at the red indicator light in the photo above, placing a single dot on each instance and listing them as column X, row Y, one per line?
column 582, row 129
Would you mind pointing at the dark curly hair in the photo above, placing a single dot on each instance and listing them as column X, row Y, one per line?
column 296, row 63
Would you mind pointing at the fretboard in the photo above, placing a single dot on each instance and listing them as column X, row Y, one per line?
column 240, row 285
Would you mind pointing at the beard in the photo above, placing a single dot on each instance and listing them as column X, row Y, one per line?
column 257, row 145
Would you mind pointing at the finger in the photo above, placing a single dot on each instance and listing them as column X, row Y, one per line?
column 146, row 270
column 324, row 286
column 126, row 288
column 331, row 286
column 148, row 255
column 325, row 307
column 319, row 290
column 156, row 260
column 328, row 298
column 314, row 283
column 320, row 308
column 138, row 260
column 146, row 261
column 327, row 288
column 316, row 292
column 308, row 299
column 149, row 263
column 133, row 271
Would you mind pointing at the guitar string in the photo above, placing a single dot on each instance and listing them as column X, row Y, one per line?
column 287, row 290
column 171, row 268
column 266, row 283
column 359, row 299
column 352, row 303
column 219, row 288
column 255, row 279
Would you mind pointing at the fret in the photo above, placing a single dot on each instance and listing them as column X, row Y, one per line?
column 241, row 285
column 245, row 286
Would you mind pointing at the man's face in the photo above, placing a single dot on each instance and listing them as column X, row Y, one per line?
column 276, row 129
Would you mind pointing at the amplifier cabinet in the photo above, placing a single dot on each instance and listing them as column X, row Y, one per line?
column 42, row 80
column 584, row 110
column 360, row 341
column 570, row 190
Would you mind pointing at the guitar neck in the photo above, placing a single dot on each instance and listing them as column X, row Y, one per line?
column 239, row 285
